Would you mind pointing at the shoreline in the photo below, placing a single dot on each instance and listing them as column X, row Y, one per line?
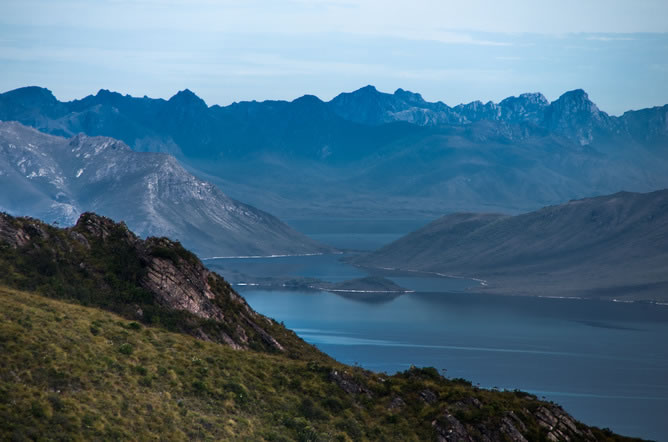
column 490, row 291
column 269, row 256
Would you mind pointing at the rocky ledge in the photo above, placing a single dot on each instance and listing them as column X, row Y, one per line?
column 161, row 277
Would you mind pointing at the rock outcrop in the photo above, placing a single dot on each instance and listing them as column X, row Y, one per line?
column 161, row 277
column 57, row 179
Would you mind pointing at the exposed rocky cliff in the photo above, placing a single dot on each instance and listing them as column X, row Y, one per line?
column 57, row 179
column 100, row 262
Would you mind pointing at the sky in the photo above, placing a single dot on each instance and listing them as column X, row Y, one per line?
column 227, row 51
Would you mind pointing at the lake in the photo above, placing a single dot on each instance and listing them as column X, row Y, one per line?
column 605, row 362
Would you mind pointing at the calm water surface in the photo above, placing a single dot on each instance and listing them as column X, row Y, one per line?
column 606, row 363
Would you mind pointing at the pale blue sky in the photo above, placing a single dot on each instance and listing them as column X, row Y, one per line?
column 229, row 51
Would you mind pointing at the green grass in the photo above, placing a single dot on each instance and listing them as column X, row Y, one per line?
column 69, row 372
column 107, row 271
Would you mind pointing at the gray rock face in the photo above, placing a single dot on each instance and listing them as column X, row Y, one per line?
column 57, row 179
column 179, row 290
column 574, row 114
column 175, row 278
column 513, row 427
column 348, row 383
column 528, row 107
column 449, row 429
column 553, row 421
column 560, row 426
column 428, row 396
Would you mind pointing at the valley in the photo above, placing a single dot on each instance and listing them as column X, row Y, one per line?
column 590, row 355
column 334, row 221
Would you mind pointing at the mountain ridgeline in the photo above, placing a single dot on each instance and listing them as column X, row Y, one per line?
column 107, row 336
column 368, row 153
column 609, row 247
column 57, row 179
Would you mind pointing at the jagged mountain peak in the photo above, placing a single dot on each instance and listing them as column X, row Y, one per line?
column 535, row 97
column 364, row 93
column 106, row 93
column 187, row 97
column 527, row 98
column 368, row 89
column 528, row 106
column 32, row 95
column 309, row 106
column 576, row 99
column 576, row 116
column 98, row 143
column 112, row 98
column 308, row 99
column 408, row 96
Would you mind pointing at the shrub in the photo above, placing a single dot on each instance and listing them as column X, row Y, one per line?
column 199, row 386
column 126, row 349
column 37, row 409
column 56, row 403
column 310, row 410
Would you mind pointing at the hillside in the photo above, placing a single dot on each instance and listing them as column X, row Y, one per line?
column 72, row 372
column 372, row 154
column 155, row 281
column 188, row 359
column 57, row 179
column 613, row 246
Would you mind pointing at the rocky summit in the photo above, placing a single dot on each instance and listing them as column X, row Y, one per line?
column 102, row 263
column 57, row 179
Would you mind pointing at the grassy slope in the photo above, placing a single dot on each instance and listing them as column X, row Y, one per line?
column 612, row 246
column 77, row 373
column 107, row 273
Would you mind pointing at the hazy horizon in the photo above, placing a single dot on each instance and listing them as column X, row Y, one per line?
column 446, row 51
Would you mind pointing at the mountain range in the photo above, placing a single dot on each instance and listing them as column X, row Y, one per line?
column 608, row 247
column 56, row 179
column 373, row 154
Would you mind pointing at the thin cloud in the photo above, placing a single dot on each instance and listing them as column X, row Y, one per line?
column 610, row 38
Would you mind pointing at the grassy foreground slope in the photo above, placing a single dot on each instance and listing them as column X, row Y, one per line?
column 101, row 263
column 69, row 372
column 107, row 336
